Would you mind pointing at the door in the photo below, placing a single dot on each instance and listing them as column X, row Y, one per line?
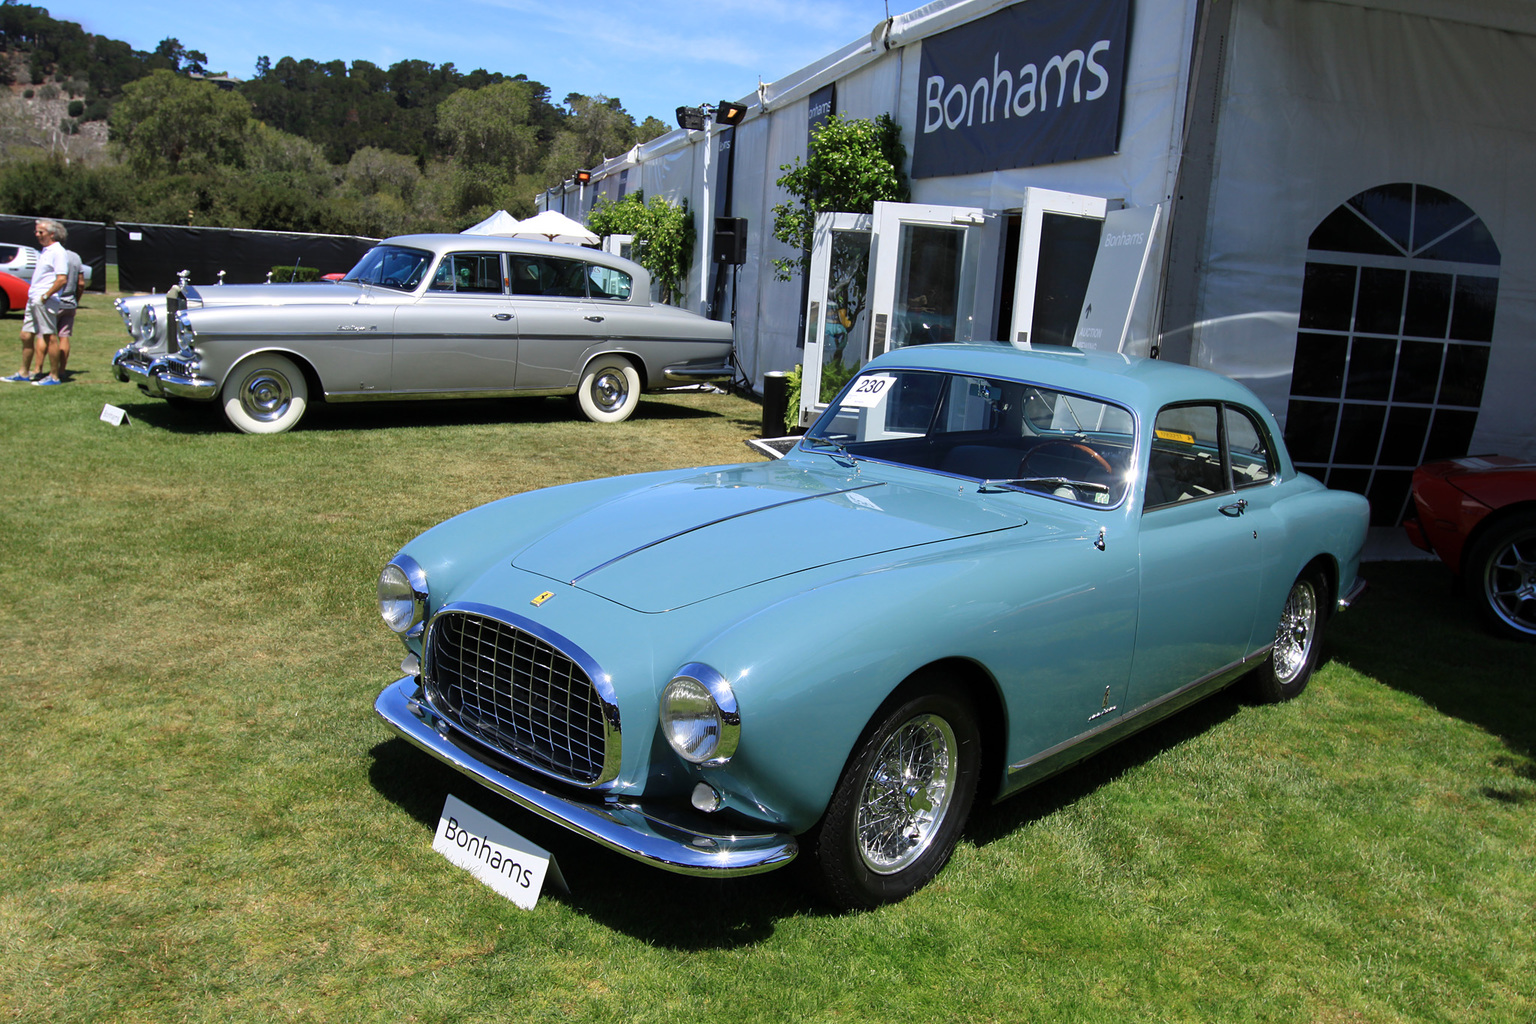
column 933, row 275
column 837, row 313
column 462, row 334
column 1058, row 241
column 1207, row 530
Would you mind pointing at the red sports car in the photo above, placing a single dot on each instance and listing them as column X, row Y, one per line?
column 1479, row 515
column 13, row 293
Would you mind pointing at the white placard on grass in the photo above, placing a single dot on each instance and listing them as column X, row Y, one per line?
column 495, row 854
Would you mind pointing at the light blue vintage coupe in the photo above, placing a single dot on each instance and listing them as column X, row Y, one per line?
column 981, row 565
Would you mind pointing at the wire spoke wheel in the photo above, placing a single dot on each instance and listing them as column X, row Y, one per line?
column 907, row 794
column 1296, row 633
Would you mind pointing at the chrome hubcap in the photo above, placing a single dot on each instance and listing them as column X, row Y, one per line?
column 1510, row 584
column 1293, row 638
column 265, row 395
column 907, row 794
column 609, row 390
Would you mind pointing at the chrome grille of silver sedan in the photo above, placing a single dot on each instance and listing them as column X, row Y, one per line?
column 520, row 694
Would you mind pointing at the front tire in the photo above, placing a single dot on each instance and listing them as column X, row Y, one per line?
column 1298, row 641
column 902, row 800
column 1499, row 574
column 265, row 394
column 610, row 390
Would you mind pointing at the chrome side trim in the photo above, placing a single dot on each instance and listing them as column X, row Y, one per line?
column 1351, row 595
column 684, row 374
column 667, row 843
column 1067, row 753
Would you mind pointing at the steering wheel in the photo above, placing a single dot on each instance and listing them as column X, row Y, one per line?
column 1068, row 449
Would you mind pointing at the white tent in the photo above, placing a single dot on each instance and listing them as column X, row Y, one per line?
column 556, row 227
column 499, row 223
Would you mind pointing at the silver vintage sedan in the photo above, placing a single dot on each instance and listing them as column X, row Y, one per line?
column 428, row 316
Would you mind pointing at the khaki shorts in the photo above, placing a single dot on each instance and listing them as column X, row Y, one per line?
column 39, row 319
column 66, row 324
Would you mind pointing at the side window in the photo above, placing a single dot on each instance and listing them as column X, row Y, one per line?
column 608, row 283
column 545, row 275
column 1185, row 463
column 475, row 272
column 1248, row 446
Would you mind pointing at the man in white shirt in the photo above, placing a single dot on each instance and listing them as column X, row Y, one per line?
column 40, row 321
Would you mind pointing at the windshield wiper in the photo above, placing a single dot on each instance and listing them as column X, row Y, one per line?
column 1022, row 482
column 839, row 453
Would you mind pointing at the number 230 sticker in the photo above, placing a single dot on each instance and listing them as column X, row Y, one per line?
column 868, row 391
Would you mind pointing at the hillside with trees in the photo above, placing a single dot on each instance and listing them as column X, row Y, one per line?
column 92, row 129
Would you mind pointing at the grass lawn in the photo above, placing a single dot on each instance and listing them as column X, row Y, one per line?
column 201, row 819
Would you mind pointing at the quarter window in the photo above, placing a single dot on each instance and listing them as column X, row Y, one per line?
column 608, row 283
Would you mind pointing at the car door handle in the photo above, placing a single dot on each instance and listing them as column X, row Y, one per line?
column 594, row 318
column 1235, row 509
column 501, row 316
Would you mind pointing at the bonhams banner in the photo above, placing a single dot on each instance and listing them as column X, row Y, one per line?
column 1040, row 82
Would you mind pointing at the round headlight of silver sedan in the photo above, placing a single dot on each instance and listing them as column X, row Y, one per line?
column 699, row 716
column 403, row 595
column 147, row 324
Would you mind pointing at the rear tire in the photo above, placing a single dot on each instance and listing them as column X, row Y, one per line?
column 610, row 390
column 1298, row 641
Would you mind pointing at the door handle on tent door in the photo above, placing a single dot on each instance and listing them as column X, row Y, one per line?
column 501, row 316
column 1235, row 509
column 594, row 318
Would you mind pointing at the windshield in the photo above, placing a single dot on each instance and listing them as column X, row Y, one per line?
column 1005, row 434
column 391, row 266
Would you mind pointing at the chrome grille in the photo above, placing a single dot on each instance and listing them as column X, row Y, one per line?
column 518, row 693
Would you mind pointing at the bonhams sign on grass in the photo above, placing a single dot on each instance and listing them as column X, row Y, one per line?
column 495, row 854
column 1035, row 83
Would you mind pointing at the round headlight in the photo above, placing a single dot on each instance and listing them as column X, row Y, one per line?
column 403, row 595
column 185, row 337
column 699, row 716
column 147, row 319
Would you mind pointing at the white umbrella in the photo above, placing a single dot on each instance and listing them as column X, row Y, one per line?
column 556, row 227
column 499, row 223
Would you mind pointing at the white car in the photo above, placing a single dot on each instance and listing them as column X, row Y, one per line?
column 19, row 260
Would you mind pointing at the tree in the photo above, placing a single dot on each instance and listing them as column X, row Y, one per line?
column 851, row 166
column 167, row 122
column 490, row 126
column 663, row 235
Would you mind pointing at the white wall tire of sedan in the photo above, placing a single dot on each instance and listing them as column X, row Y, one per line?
column 902, row 800
column 264, row 394
column 610, row 390
column 1298, row 640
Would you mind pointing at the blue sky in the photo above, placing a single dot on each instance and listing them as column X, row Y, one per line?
column 653, row 54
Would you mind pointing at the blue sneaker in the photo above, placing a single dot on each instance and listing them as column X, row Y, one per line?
column 46, row 382
column 18, row 378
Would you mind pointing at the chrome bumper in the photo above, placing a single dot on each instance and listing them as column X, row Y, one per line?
column 622, row 827
column 163, row 376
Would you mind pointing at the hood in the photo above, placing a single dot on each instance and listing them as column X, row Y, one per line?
column 683, row 541
column 270, row 294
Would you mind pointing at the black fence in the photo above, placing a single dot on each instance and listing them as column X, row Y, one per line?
column 150, row 256
column 87, row 239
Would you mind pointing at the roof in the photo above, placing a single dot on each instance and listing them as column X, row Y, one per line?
column 1129, row 380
